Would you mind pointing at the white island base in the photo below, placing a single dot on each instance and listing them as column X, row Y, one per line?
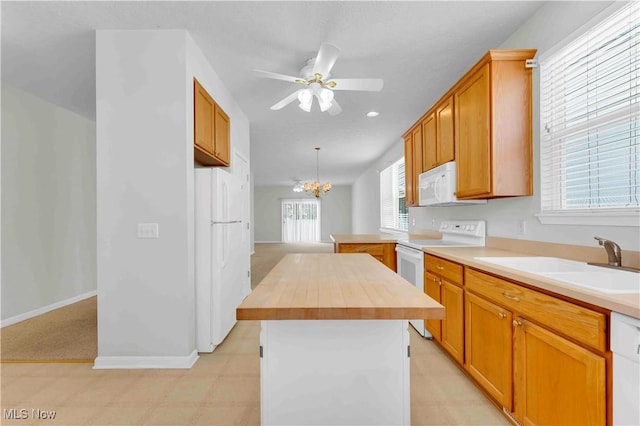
column 335, row 372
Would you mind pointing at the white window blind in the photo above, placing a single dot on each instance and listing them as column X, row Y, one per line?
column 393, row 210
column 590, row 114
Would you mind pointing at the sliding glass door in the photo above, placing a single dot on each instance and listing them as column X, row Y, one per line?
column 300, row 220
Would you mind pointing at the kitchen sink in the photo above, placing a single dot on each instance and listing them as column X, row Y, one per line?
column 604, row 280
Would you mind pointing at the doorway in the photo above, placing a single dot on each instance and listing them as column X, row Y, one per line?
column 300, row 220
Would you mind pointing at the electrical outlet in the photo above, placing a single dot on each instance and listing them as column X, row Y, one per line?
column 433, row 224
column 522, row 227
column 148, row 230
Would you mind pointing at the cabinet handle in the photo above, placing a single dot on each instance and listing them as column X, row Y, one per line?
column 440, row 282
column 440, row 267
column 517, row 323
column 502, row 315
column 362, row 250
column 510, row 297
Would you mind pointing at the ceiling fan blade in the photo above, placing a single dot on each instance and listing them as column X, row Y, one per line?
column 327, row 56
column 364, row 84
column 335, row 108
column 276, row 76
column 286, row 101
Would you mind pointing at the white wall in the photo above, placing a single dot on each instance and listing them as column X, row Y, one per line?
column 335, row 211
column 144, row 96
column 550, row 25
column 366, row 192
column 49, row 204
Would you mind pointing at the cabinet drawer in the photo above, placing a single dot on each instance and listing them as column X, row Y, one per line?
column 577, row 322
column 451, row 271
column 375, row 250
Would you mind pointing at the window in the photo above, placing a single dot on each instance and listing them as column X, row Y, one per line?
column 300, row 220
column 393, row 210
column 590, row 118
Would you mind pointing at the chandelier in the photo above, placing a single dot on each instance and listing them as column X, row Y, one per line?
column 316, row 188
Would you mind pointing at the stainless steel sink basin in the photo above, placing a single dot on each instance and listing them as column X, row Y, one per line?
column 610, row 281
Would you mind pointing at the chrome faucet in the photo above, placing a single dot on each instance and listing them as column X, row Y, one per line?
column 613, row 251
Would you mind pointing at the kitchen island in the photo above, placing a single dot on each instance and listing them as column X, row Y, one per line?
column 334, row 340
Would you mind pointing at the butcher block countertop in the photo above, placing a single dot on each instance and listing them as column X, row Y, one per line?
column 363, row 238
column 628, row 304
column 323, row 286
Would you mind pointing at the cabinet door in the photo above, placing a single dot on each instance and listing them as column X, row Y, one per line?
column 556, row 381
column 417, row 162
column 432, row 288
column 429, row 142
column 444, row 126
column 204, row 108
column 453, row 324
column 488, row 347
column 408, row 171
column 222, row 140
column 472, row 134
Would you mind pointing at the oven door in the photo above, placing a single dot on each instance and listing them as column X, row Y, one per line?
column 410, row 263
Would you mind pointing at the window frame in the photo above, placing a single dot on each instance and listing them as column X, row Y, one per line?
column 599, row 216
column 385, row 229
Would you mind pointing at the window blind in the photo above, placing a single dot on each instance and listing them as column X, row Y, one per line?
column 393, row 211
column 590, row 113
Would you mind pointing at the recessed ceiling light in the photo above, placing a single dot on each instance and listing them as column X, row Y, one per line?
column 373, row 114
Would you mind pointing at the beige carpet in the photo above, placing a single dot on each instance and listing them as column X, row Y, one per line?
column 67, row 334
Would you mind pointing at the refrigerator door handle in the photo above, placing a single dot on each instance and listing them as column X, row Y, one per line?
column 217, row 222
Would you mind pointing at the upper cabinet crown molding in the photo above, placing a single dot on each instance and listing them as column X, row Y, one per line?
column 211, row 129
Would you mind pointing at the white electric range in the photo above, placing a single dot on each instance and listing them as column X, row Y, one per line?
column 410, row 257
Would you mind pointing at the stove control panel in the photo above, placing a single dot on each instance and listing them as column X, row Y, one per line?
column 471, row 228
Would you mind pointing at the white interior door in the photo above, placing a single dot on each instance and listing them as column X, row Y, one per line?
column 300, row 220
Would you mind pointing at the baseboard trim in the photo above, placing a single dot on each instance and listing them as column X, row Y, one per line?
column 144, row 362
column 45, row 309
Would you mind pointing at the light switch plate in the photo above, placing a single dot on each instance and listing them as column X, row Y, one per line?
column 148, row 230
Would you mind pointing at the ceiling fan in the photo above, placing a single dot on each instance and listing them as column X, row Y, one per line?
column 315, row 77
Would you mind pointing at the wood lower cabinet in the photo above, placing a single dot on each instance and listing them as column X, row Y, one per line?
column 443, row 283
column 452, row 298
column 559, row 352
column 384, row 252
column 432, row 286
column 556, row 381
column 488, row 347
column 211, row 129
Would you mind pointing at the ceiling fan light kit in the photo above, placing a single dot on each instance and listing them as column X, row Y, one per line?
column 315, row 76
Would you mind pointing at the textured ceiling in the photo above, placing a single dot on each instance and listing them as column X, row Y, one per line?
column 419, row 48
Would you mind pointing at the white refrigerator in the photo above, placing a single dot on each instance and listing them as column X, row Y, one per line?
column 221, row 255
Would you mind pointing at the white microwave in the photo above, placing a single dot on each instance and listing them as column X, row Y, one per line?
column 438, row 186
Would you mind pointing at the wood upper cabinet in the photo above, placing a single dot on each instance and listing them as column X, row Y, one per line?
column 429, row 142
column 492, row 120
column 557, row 381
column 444, row 131
column 410, row 169
column 211, row 129
column 416, row 136
column 488, row 347
column 437, row 135
column 384, row 252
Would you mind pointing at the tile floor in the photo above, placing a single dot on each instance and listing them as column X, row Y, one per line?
column 223, row 388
